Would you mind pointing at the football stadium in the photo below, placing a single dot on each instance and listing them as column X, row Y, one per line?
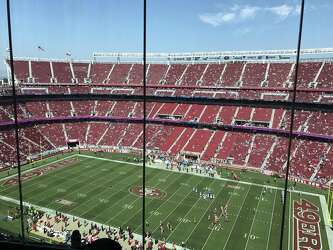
column 228, row 149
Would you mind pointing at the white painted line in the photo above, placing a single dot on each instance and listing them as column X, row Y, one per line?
column 290, row 217
column 105, row 159
column 270, row 227
column 254, row 218
column 328, row 225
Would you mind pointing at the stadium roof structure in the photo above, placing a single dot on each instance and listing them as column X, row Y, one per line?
column 283, row 55
column 255, row 55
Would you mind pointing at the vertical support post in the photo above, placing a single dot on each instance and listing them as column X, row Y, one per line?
column 292, row 118
column 144, row 123
column 15, row 116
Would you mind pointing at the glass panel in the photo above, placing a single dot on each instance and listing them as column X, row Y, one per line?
column 243, row 146
column 10, row 213
column 217, row 137
column 80, row 171
column 311, row 160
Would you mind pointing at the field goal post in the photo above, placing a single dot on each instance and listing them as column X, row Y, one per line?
column 330, row 201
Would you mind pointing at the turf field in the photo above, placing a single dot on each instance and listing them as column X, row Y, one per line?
column 108, row 191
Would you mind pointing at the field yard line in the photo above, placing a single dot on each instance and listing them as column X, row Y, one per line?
column 254, row 218
column 289, row 222
column 328, row 225
column 159, row 205
column 136, row 199
column 41, row 166
column 212, row 229
column 174, row 230
column 232, row 228
column 270, row 227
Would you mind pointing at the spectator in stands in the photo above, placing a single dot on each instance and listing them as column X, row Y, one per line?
column 104, row 244
column 76, row 239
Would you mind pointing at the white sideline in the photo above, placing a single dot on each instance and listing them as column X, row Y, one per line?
column 328, row 225
column 106, row 159
column 290, row 233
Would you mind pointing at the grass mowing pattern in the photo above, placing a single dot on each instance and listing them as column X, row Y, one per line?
column 99, row 191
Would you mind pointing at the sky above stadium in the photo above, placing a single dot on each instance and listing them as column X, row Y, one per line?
column 82, row 27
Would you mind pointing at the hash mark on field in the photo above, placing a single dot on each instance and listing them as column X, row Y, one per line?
column 82, row 195
column 102, row 200
column 233, row 193
column 128, row 206
column 155, row 213
column 61, row 190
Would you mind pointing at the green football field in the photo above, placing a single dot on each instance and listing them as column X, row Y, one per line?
column 103, row 190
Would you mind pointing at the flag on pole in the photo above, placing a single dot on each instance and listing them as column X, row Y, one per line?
column 68, row 54
column 40, row 48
